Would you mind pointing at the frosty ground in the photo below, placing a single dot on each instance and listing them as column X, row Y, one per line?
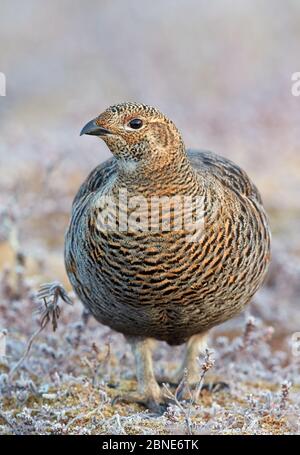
column 228, row 91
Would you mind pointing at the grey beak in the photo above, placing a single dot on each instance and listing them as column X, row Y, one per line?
column 93, row 129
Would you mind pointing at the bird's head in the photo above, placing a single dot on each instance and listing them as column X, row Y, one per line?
column 135, row 132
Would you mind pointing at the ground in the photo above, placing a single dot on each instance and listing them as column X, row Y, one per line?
column 222, row 72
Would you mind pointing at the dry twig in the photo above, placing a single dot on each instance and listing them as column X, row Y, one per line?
column 50, row 293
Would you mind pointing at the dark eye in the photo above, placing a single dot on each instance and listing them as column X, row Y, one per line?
column 135, row 123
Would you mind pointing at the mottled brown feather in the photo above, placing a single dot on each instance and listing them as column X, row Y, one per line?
column 155, row 284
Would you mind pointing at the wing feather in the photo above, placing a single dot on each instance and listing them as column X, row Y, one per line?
column 229, row 173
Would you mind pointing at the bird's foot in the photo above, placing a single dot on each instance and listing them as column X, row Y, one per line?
column 191, row 392
column 157, row 405
column 215, row 387
column 151, row 397
column 189, row 389
column 171, row 381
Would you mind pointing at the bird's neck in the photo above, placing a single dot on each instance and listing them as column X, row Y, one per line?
column 167, row 172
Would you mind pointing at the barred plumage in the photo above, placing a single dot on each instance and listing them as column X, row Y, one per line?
column 157, row 284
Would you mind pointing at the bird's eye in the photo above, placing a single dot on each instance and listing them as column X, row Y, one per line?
column 135, row 123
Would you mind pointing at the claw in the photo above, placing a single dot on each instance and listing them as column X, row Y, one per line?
column 216, row 387
column 158, row 407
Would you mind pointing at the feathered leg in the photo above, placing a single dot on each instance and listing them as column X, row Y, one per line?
column 191, row 369
column 149, row 393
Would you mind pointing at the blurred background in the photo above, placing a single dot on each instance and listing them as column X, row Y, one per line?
column 221, row 70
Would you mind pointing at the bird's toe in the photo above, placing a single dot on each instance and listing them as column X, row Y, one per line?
column 157, row 405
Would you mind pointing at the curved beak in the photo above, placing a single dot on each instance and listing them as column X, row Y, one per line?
column 93, row 129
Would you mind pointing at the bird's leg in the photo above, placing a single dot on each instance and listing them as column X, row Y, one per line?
column 194, row 347
column 149, row 393
column 189, row 371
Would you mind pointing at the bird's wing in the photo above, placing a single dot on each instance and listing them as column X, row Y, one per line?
column 229, row 173
column 96, row 179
